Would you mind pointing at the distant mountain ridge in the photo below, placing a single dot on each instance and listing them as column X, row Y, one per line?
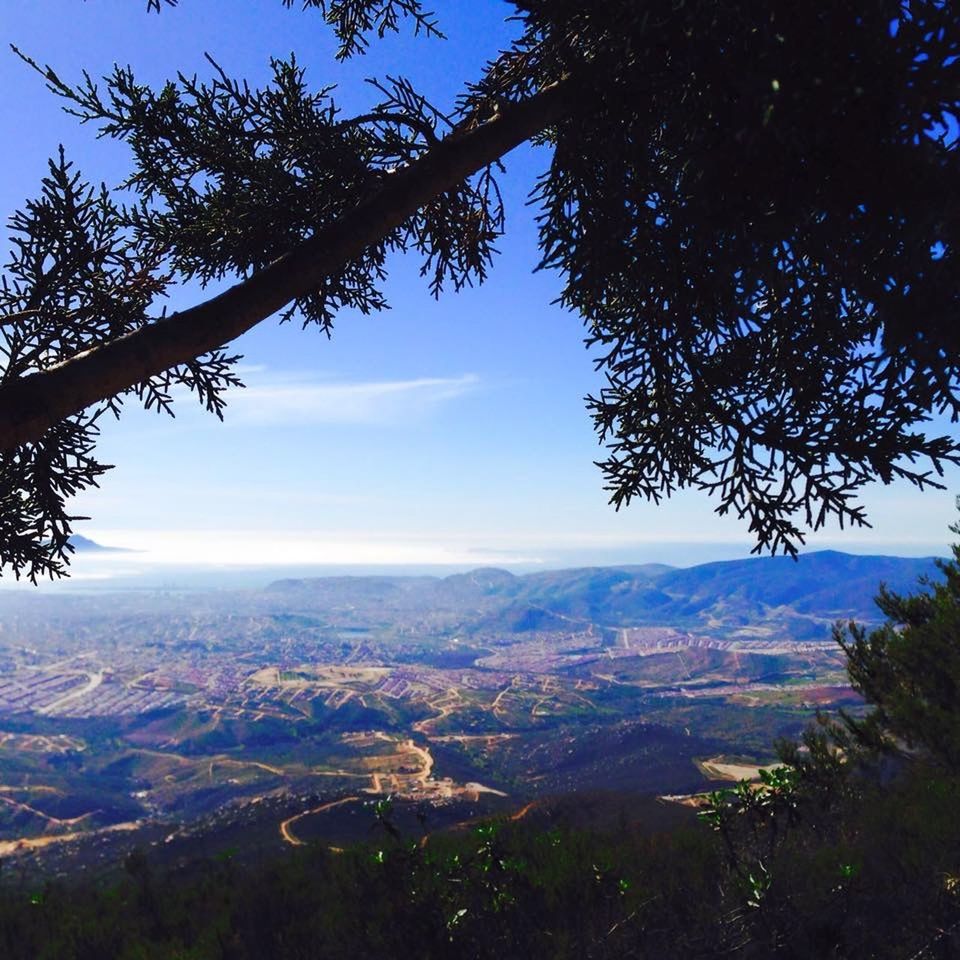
column 804, row 596
column 85, row 545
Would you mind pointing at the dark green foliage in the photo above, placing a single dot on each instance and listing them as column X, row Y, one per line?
column 75, row 281
column 843, row 852
column 225, row 180
column 67, row 239
column 823, row 865
column 352, row 20
column 752, row 219
column 500, row 891
column 866, row 875
column 909, row 671
column 752, row 205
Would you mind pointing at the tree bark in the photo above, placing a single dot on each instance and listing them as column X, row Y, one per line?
column 32, row 404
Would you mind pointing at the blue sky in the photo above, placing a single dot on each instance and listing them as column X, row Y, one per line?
column 438, row 432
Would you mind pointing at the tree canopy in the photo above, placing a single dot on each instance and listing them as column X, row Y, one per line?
column 752, row 206
column 908, row 670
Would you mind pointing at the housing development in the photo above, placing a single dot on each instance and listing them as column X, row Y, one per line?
column 146, row 711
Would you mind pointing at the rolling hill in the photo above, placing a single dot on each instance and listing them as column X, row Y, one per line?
column 805, row 595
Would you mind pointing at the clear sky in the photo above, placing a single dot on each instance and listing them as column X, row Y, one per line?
column 437, row 432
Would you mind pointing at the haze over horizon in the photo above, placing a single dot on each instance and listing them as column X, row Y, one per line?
column 149, row 560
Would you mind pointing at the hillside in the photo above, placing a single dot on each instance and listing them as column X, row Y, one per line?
column 807, row 594
column 131, row 716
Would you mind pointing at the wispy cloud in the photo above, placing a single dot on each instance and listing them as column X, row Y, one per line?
column 302, row 399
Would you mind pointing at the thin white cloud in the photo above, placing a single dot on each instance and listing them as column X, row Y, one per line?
column 298, row 399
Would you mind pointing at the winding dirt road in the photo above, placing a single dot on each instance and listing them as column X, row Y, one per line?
column 290, row 837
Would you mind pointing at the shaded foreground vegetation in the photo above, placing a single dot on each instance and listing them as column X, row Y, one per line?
column 860, row 872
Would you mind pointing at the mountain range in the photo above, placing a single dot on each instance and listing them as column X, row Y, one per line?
column 727, row 597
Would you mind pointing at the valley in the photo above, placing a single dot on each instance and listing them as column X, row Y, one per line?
column 148, row 716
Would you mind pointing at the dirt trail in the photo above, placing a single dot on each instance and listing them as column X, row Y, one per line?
column 229, row 762
column 8, row 847
column 28, row 788
column 56, row 821
column 424, row 774
column 290, row 837
column 444, row 706
column 523, row 811
column 720, row 768
column 496, row 702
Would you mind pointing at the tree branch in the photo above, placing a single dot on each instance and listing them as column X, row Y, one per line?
column 31, row 405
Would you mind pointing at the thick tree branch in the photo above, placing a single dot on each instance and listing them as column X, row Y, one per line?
column 34, row 403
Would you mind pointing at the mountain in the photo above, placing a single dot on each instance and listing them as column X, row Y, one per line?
column 85, row 545
column 802, row 596
column 828, row 582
